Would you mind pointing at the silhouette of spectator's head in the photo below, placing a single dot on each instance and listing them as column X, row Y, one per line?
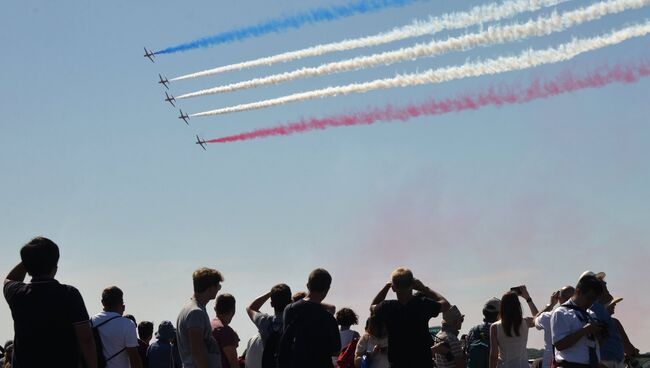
column 280, row 297
column 300, row 295
column 207, row 279
column 491, row 310
column 113, row 300
column 402, row 280
column 166, row 331
column 376, row 327
column 319, row 281
column 566, row 293
column 346, row 317
column 588, row 290
column 40, row 257
column 131, row 317
column 145, row 331
column 225, row 308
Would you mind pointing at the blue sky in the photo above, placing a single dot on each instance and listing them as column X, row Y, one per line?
column 474, row 202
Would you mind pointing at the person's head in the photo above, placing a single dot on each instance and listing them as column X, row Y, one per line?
column 225, row 308
column 319, row 283
column 207, row 282
column 402, row 280
column 145, row 331
column 510, row 313
column 300, row 295
column 376, row 327
column 131, row 317
column 280, row 297
column 346, row 317
column 453, row 319
column 113, row 299
column 40, row 257
column 566, row 293
column 605, row 297
column 588, row 290
column 166, row 331
column 491, row 310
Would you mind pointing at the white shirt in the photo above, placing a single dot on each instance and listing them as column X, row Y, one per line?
column 116, row 335
column 543, row 322
column 512, row 349
column 254, row 352
column 564, row 322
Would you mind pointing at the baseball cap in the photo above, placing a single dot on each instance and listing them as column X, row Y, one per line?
column 492, row 305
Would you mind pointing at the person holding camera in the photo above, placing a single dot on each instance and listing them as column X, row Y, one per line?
column 509, row 335
column 575, row 331
column 543, row 321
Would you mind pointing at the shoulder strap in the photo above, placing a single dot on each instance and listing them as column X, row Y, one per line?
column 116, row 354
column 105, row 322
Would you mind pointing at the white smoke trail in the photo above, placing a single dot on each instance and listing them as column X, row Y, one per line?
column 477, row 15
column 525, row 60
column 491, row 36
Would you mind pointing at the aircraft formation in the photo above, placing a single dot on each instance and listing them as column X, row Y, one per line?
column 170, row 98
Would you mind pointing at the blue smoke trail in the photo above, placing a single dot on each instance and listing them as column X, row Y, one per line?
column 284, row 23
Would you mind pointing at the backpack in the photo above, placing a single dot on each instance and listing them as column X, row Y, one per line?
column 346, row 357
column 271, row 347
column 478, row 350
column 101, row 359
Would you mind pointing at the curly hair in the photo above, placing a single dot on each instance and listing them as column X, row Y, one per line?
column 346, row 317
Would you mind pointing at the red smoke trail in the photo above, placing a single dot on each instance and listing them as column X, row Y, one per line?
column 565, row 82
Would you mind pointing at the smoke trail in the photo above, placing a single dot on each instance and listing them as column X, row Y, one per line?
column 505, row 95
column 283, row 23
column 493, row 35
column 527, row 59
column 476, row 15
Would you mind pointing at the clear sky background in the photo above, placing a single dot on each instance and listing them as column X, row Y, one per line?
column 474, row 202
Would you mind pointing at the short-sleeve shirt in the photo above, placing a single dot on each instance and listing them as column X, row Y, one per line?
column 543, row 322
column 225, row 336
column 564, row 322
column 455, row 349
column 45, row 313
column 267, row 324
column 191, row 316
column 117, row 335
column 310, row 336
column 161, row 354
column 409, row 340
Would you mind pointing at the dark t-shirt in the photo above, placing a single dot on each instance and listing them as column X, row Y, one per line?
column 225, row 336
column 310, row 336
column 409, row 340
column 44, row 314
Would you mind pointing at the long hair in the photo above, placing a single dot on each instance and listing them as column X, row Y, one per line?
column 511, row 315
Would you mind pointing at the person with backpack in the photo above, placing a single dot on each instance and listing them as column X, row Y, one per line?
column 345, row 318
column 478, row 338
column 115, row 335
column 574, row 328
column 269, row 326
column 50, row 319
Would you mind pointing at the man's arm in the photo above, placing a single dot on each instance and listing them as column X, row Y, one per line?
column 630, row 350
column 573, row 338
column 494, row 347
column 134, row 357
column 231, row 355
column 18, row 273
column 555, row 297
column 86, row 342
column 419, row 286
column 381, row 296
column 255, row 306
column 197, row 347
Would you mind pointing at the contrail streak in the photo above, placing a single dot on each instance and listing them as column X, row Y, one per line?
column 491, row 36
column 504, row 95
column 477, row 15
column 525, row 60
column 283, row 23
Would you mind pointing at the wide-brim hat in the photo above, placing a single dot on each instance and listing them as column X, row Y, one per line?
column 599, row 275
column 452, row 315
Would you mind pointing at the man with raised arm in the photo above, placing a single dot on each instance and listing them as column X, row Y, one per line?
column 407, row 319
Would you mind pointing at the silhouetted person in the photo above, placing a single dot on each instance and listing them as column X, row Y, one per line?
column 407, row 319
column 310, row 334
column 50, row 319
